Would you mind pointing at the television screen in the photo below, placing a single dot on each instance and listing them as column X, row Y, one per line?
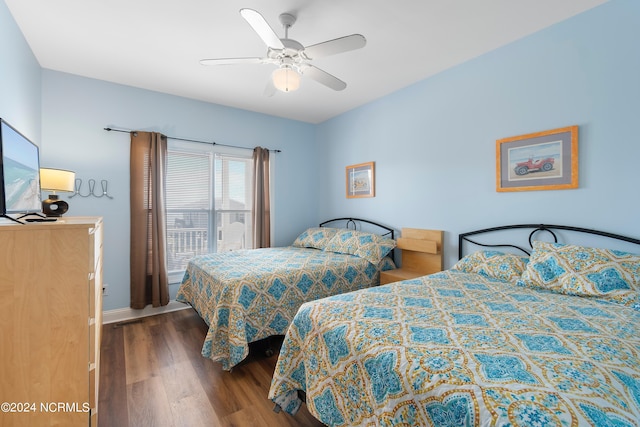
column 19, row 173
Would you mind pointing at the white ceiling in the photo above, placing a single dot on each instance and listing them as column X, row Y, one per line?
column 156, row 44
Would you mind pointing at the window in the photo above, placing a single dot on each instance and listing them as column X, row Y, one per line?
column 233, row 176
column 208, row 202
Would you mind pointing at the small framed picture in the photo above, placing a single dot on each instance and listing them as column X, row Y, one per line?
column 538, row 161
column 361, row 180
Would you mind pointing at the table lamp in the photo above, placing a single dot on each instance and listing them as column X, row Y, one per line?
column 56, row 180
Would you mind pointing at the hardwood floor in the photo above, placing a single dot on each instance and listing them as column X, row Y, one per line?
column 152, row 374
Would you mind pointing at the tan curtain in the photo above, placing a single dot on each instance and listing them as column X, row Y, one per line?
column 261, row 203
column 149, row 279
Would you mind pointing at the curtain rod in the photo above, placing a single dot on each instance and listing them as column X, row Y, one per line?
column 190, row 140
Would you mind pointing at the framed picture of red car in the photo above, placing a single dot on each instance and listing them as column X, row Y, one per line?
column 538, row 161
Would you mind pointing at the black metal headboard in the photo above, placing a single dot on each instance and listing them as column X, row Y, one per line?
column 353, row 223
column 464, row 237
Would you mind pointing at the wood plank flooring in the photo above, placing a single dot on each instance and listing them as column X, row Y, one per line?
column 152, row 374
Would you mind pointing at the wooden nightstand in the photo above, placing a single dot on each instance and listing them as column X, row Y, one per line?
column 421, row 255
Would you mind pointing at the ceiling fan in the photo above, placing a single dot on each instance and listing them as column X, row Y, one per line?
column 291, row 57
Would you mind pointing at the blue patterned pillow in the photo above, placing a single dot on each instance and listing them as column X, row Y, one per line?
column 579, row 270
column 315, row 237
column 369, row 246
column 493, row 264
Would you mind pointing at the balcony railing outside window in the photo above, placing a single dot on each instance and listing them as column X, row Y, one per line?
column 188, row 234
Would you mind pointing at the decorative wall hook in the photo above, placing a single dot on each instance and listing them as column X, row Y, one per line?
column 104, row 185
column 92, row 186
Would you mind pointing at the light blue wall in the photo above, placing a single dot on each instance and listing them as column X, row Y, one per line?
column 75, row 111
column 434, row 142
column 19, row 79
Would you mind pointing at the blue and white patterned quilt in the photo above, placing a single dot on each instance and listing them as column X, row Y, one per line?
column 461, row 349
column 248, row 295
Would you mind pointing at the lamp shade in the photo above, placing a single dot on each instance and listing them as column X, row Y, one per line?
column 57, row 179
column 286, row 79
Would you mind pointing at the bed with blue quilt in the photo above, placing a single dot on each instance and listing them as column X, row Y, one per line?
column 249, row 295
column 550, row 338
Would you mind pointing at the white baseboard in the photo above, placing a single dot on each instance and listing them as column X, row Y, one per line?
column 123, row 314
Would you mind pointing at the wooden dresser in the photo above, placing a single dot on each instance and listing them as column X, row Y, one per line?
column 50, row 322
column 421, row 255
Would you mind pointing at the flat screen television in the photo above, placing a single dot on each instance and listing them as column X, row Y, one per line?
column 19, row 173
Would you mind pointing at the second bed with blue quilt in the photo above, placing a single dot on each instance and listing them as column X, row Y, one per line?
column 247, row 295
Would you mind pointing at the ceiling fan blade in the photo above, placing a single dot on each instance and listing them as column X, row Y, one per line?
column 231, row 61
column 331, row 47
column 262, row 28
column 323, row 77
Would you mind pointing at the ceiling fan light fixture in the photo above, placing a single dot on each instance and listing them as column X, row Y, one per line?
column 286, row 79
